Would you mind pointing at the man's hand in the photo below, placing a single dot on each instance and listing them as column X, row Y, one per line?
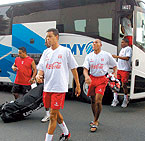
column 77, row 91
column 14, row 68
column 32, row 80
column 39, row 78
column 114, row 56
column 88, row 80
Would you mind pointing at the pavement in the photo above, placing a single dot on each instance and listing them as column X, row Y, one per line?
column 116, row 123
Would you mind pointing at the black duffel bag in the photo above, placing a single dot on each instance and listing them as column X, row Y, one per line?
column 23, row 106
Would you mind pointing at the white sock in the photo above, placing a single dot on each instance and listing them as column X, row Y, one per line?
column 47, row 113
column 48, row 137
column 125, row 97
column 115, row 96
column 64, row 128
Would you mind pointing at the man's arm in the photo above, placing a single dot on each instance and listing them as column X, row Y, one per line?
column 40, row 76
column 76, row 78
column 122, row 29
column 87, row 77
column 14, row 67
column 32, row 80
column 120, row 57
column 115, row 71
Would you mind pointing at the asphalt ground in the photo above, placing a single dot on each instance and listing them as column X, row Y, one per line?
column 116, row 124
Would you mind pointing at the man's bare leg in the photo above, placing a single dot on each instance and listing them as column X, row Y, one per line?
column 125, row 101
column 96, row 107
column 62, row 124
column 53, row 121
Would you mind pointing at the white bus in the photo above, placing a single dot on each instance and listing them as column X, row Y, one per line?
column 79, row 23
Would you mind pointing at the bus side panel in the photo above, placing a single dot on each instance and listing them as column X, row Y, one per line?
column 6, row 60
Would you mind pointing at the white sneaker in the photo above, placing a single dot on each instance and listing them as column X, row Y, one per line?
column 124, row 103
column 45, row 119
column 114, row 103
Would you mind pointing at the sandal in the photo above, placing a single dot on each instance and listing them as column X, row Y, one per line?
column 92, row 122
column 93, row 128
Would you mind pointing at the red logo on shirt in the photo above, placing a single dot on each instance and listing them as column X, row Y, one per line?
column 91, row 60
column 55, row 65
column 98, row 66
column 59, row 56
column 46, row 59
column 102, row 59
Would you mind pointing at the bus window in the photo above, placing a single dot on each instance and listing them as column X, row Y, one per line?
column 5, row 21
column 90, row 19
column 105, row 28
column 140, row 30
column 80, row 25
column 87, row 18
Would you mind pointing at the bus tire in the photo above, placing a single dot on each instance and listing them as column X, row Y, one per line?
column 84, row 89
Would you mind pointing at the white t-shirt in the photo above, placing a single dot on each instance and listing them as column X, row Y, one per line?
column 123, row 64
column 99, row 63
column 56, row 64
column 126, row 23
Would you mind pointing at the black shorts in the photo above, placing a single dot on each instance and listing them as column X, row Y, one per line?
column 23, row 89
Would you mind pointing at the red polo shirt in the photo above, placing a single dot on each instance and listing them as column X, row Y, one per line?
column 24, row 71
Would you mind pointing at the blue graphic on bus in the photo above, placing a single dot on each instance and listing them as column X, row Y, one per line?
column 89, row 47
column 6, row 62
column 22, row 36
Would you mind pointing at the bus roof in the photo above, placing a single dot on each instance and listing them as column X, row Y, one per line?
column 42, row 5
column 17, row 2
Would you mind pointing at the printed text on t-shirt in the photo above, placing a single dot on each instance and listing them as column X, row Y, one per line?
column 55, row 65
column 98, row 66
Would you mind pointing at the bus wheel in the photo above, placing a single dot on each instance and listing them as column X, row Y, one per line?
column 84, row 90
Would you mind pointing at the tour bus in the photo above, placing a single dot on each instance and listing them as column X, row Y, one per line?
column 79, row 23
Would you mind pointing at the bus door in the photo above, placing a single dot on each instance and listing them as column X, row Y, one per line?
column 138, row 58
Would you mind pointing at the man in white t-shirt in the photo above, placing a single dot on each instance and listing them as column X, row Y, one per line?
column 53, row 68
column 124, row 68
column 126, row 28
column 98, row 62
column 47, row 116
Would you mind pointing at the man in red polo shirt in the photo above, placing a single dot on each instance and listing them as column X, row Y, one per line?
column 25, row 73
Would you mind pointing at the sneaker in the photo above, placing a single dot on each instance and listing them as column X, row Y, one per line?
column 65, row 137
column 124, row 103
column 114, row 103
column 45, row 119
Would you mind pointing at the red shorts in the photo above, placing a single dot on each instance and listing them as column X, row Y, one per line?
column 53, row 100
column 130, row 40
column 123, row 75
column 97, row 85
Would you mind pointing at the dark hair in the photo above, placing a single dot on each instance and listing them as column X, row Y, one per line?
column 23, row 49
column 54, row 30
column 125, row 40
